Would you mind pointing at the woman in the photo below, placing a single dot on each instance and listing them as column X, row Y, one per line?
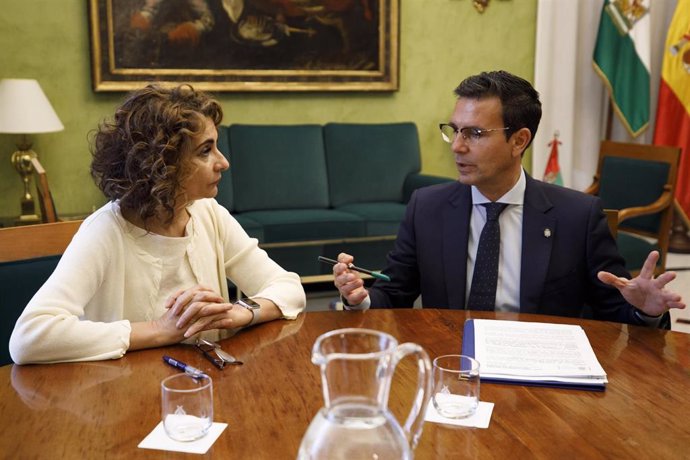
column 149, row 268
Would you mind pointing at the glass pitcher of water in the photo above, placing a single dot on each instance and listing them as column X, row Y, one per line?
column 355, row 423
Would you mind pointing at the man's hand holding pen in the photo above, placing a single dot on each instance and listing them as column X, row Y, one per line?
column 348, row 282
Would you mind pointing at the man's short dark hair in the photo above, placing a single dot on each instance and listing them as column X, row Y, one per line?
column 520, row 101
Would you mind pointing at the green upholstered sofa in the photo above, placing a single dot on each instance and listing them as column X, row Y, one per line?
column 310, row 190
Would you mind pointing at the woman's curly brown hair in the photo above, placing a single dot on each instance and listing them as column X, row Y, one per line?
column 138, row 154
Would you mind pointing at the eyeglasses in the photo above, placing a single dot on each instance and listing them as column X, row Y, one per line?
column 215, row 354
column 470, row 134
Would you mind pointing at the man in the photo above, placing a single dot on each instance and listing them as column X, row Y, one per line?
column 556, row 253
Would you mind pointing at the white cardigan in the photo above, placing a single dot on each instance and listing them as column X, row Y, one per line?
column 78, row 314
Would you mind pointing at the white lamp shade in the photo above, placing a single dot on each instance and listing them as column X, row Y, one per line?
column 25, row 109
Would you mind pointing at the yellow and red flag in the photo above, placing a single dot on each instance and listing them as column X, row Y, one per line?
column 552, row 173
column 673, row 112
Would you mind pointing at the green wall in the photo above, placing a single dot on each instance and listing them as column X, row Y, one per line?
column 441, row 42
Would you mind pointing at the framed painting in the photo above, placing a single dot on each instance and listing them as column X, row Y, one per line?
column 246, row 45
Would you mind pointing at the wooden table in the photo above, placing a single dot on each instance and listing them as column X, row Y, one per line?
column 104, row 409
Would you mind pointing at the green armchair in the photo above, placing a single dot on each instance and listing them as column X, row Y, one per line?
column 639, row 181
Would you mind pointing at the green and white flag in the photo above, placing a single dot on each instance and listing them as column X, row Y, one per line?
column 621, row 58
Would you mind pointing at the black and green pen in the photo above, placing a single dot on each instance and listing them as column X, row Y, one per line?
column 377, row 275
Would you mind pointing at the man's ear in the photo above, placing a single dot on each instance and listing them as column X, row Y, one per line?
column 520, row 140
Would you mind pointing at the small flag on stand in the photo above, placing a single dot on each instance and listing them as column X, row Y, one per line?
column 552, row 173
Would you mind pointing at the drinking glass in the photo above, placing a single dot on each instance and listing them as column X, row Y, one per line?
column 456, row 386
column 187, row 406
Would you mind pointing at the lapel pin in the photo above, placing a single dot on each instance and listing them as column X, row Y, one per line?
column 547, row 232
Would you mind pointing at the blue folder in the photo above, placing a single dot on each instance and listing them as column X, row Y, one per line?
column 468, row 350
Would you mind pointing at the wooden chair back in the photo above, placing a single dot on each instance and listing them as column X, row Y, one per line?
column 612, row 219
column 28, row 256
column 45, row 198
column 40, row 240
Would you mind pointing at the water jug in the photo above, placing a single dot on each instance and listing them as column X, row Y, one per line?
column 356, row 370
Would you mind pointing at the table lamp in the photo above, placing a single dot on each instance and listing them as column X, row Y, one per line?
column 25, row 109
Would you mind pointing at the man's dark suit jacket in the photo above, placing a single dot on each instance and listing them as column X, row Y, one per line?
column 559, row 266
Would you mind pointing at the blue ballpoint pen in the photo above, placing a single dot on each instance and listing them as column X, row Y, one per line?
column 189, row 370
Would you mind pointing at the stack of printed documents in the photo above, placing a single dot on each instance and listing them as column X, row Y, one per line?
column 528, row 353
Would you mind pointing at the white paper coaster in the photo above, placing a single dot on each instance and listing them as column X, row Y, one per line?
column 480, row 419
column 157, row 439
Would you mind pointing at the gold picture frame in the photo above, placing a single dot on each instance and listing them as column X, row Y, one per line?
column 246, row 45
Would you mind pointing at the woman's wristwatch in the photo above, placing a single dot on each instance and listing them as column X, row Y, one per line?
column 252, row 306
